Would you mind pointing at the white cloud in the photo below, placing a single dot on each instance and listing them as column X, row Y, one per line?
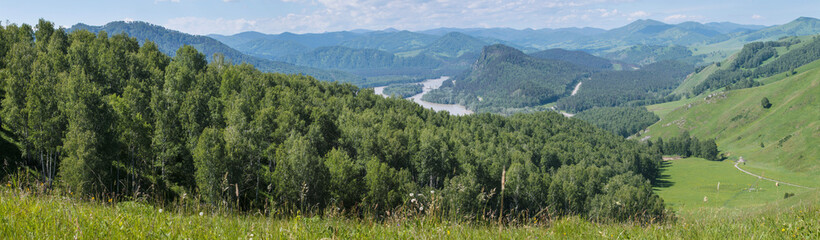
column 204, row 26
column 335, row 15
column 681, row 18
column 638, row 14
column 755, row 16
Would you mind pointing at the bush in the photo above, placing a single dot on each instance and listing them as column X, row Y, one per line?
column 765, row 103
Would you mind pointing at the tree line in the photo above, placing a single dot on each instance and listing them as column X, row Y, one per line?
column 623, row 121
column 650, row 84
column 688, row 146
column 98, row 114
column 749, row 65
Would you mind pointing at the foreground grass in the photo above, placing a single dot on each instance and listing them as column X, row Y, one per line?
column 691, row 184
column 29, row 216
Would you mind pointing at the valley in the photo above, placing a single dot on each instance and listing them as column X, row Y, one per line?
column 429, row 85
column 673, row 129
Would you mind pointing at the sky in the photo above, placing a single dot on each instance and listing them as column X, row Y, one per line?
column 315, row 16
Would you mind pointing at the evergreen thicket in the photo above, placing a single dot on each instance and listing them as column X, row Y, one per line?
column 688, row 146
column 759, row 60
column 404, row 90
column 649, row 85
column 98, row 114
column 623, row 121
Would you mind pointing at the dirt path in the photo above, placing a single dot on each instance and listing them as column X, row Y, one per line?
column 577, row 87
column 765, row 178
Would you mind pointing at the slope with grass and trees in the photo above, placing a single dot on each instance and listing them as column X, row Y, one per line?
column 98, row 116
column 778, row 141
column 504, row 77
column 168, row 41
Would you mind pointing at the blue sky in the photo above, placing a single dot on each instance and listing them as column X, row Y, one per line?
column 302, row 16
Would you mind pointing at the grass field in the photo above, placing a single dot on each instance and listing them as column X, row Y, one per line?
column 27, row 215
column 687, row 182
column 779, row 142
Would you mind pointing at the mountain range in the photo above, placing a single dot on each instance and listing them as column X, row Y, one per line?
column 368, row 58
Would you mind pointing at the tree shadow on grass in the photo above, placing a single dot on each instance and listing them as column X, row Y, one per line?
column 663, row 179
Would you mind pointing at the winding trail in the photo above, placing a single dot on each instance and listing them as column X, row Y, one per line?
column 577, row 87
column 765, row 178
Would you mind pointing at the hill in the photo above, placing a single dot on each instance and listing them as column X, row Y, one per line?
column 126, row 118
column 648, row 54
column 169, row 41
column 272, row 49
column 505, row 77
column 366, row 62
column 393, row 42
column 454, row 45
column 799, row 27
column 759, row 60
column 650, row 84
column 779, row 141
column 645, row 32
column 579, row 58
column 309, row 40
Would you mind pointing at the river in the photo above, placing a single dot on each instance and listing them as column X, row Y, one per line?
column 430, row 84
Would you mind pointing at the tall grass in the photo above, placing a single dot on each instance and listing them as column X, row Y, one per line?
column 27, row 213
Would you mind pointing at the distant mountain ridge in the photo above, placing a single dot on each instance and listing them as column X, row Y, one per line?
column 169, row 41
column 624, row 43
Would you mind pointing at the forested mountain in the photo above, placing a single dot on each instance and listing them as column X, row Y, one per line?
column 393, row 42
column 728, row 27
column 648, row 54
column 624, row 121
column 799, row 27
column 454, row 45
column 640, row 42
column 107, row 116
column 272, row 49
column 526, row 38
column 505, row 77
column 365, row 61
column 648, row 85
column 310, row 40
column 579, row 58
column 762, row 59
column 169, row 40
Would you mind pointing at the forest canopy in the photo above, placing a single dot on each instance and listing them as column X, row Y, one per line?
column 99, row 114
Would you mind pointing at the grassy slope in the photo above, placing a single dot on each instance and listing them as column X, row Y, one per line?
column 692, row 179
column 740, row 124
column 28, row 216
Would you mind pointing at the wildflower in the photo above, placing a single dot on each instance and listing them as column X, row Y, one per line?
column 411, row 194
column 421, row 208
column 109, row 200
column 160, row 210
column 782, row 229
column 92, row 198
column 201, row 214
column 448, row 232
column 413, row 200
column 432, row 192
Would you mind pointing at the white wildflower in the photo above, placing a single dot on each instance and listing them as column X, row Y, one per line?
column 421, row 208
column 432, row 192
column 160, row 210
column 201, row 214
column 413, row 200
column 411, row 194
